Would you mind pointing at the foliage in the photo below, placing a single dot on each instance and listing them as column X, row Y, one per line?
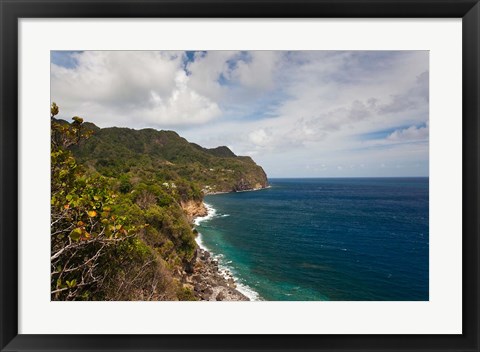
column 163, row 156
column 102, row 247
column 186, row 294
column 54, row 110
column 84, row 231
column 118, row 229
column 125, row 185
column 65, row 135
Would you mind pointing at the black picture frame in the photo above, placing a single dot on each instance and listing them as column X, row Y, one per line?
column 12, row 11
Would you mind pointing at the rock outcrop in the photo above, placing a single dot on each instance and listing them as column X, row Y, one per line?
column 193, row 209
column 209, row 283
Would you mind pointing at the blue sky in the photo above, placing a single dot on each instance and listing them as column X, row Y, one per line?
column 298, row 113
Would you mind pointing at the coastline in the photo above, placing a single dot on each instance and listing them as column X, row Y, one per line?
column 208, row 193
column 210, row 280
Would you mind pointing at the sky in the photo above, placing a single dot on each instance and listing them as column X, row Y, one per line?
column 296, row 113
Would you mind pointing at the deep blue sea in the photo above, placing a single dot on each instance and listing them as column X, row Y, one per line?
column 346, row 239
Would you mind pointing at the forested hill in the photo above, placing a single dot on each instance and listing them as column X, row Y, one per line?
column 122, row 205
column 114, row 151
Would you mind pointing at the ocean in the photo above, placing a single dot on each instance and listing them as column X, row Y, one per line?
column 339, row 239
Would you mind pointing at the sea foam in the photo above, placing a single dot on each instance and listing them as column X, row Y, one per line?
column 211, row 212
column 223, row 267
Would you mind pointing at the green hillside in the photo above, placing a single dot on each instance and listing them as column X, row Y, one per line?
column 169, row 157
column 122, row 205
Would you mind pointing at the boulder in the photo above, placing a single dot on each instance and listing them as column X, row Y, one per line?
column 220, row 296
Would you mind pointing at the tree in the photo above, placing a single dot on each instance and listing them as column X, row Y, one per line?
column 97, row 251
column 85, row 234
column 54, row 110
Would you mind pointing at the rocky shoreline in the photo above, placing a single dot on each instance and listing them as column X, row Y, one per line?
column 194, row 209
column 256, row 188
column 203, row 275
column 209, row 283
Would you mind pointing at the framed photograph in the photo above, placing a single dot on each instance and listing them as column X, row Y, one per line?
column 217, row 175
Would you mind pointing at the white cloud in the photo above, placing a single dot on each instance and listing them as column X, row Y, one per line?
column 133, row 88
column 412, row 133
column 206, row 71
column 285, row 108
column 260, row 137
column 258, row 70
column 110, row 76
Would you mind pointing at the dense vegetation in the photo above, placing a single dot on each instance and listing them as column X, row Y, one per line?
column 165, row 156
column 119, row 229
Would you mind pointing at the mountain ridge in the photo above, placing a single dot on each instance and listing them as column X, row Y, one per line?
column 114, row 150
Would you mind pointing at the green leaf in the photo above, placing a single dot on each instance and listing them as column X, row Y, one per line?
column 77, row 119
column 76, row 234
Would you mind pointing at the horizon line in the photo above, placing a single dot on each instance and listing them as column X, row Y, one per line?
column 313, row 177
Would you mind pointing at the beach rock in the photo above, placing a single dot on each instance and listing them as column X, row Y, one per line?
column 220, row 296
column 189, row 266
column 208, row 282
column 204, row 296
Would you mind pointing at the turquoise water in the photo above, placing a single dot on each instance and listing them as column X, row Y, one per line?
column 324, row 239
